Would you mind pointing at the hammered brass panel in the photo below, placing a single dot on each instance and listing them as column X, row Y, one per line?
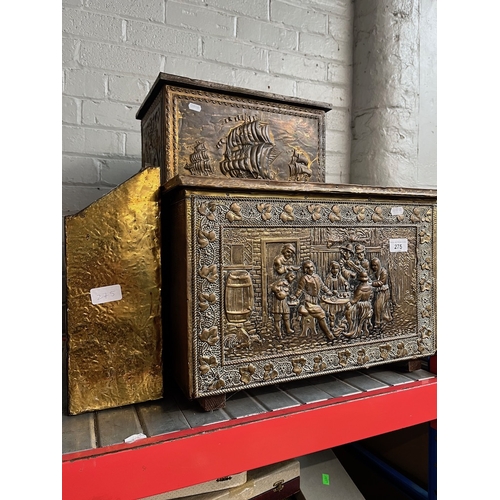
column 244, row 139
column 115, row 347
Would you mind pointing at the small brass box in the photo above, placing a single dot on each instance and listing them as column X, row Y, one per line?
column 204, row 129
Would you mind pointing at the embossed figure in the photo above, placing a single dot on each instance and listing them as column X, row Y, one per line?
column 347, row 266
column 280, row 308
column 284, row 262
column 340, row 289
column 381, row 302
column 359, row 309
column 310, row 285
column 360, row 262
column 335, row 281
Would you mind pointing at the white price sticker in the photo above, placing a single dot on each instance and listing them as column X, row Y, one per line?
column 398, row 245
column 397, row 211
column 135, row 437
column 194, row 107
column 106, row 294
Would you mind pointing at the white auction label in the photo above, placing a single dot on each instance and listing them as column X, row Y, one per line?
column 106, row 294
column 397, row 211
column 194, row 107
column 398, row 245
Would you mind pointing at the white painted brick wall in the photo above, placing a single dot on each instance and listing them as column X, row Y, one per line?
column 229, row 52
column 258, row 9
column 108, row 114
column 294, row 14
column 71, row 110
column 80, row 170
column 162, row 39
column 128, row 89
column 112, row 51
column 83, row 24
column 198, row 69
column 118, row 58
column 84, row 83
column 200, row 19
column 265, row 34
column 149, row 10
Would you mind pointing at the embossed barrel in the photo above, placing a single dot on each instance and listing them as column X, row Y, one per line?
column 239, row 296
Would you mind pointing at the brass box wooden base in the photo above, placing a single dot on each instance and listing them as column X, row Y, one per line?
column 279, row 282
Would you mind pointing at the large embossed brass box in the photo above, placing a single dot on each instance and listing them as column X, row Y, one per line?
column 204, row 129
column 284, row 281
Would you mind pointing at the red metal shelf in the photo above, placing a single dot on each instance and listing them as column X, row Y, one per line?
column 188, row 456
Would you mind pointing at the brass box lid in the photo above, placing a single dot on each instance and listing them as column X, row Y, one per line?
column 204, row 129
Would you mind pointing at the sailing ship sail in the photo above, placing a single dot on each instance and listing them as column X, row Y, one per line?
column 249, row 151
column 299, row 167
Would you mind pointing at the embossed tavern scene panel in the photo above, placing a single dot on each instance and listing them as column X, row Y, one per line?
column 283, row 287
